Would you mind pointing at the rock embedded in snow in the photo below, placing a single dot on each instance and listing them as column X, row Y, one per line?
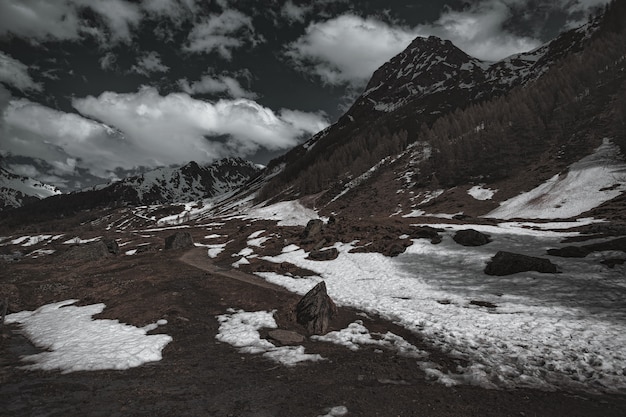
column 471, row 237
column 324, row 254
column 508, row 263
column 286, row 337
column 316, row 309
column 179, row 240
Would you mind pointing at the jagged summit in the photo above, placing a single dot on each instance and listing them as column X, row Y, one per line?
column 182, row 184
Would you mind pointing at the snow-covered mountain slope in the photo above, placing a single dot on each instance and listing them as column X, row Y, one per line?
column 187, row 183
column 588, row 183
column 15, row 190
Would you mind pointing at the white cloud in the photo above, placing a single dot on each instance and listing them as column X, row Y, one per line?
column 348, row 48
column 222, row 33
column 108, row 61
column 62, row 139
column 295, row 13
column 39, row 19
column 479, row 31
column 177, row 128
column 62, row 20
column 119, row 15
column 209, row 84
column 24, row 170
column 15, row 73
column 149, row 130
column 149, row 63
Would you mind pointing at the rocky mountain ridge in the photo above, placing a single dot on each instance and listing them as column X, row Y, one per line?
column 17, row 190
column 183, row 184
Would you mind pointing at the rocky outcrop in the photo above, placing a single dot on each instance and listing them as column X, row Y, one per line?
column 471, row 237
column 508, row 263
column 88, row 252
column 179, row 240
column 315, row 310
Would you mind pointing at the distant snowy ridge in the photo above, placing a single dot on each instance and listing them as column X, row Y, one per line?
column 16, row 190
column 191, row 182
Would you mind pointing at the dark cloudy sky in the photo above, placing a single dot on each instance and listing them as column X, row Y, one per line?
column 92, row 90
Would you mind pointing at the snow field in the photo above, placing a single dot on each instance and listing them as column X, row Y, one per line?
column 589, row 182
column 76, row 342
column 287, row 213
column 548, row 331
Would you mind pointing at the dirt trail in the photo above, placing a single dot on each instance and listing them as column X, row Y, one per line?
column 198, row 258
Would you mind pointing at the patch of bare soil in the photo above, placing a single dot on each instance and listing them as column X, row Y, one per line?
column 199, row 376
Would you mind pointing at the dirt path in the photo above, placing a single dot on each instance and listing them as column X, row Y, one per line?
column 198, row 258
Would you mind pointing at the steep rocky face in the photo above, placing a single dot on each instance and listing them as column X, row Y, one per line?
column 429, row 67
column 16, row 190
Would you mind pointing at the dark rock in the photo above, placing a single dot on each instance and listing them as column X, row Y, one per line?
column 461, row 217
column 425, row 232
column 324, row 255
column 395, row 249
column 112, row 246
column 88, row 252
column 312, row 229
column 569, row 252
column 471, row 237
column 316, row 309
column 481, row 303
column 286, row 337
column 179, row 240
column 507, row 263
column 613, row 261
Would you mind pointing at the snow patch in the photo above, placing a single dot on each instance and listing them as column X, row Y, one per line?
column 76, row 342
column 356, row 335
column 287, row 213
column 241, row 330
column 589, row 182
column 480, row 193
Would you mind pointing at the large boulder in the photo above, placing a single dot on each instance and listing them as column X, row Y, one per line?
column 315, row 310
column 88, row 252
column 179, row 240
column 471, row 237
column 313, row 229
column 508, row 263
column 112, row 246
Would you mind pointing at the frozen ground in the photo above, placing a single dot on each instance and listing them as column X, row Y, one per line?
column 76, row 342
column 565, row 330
